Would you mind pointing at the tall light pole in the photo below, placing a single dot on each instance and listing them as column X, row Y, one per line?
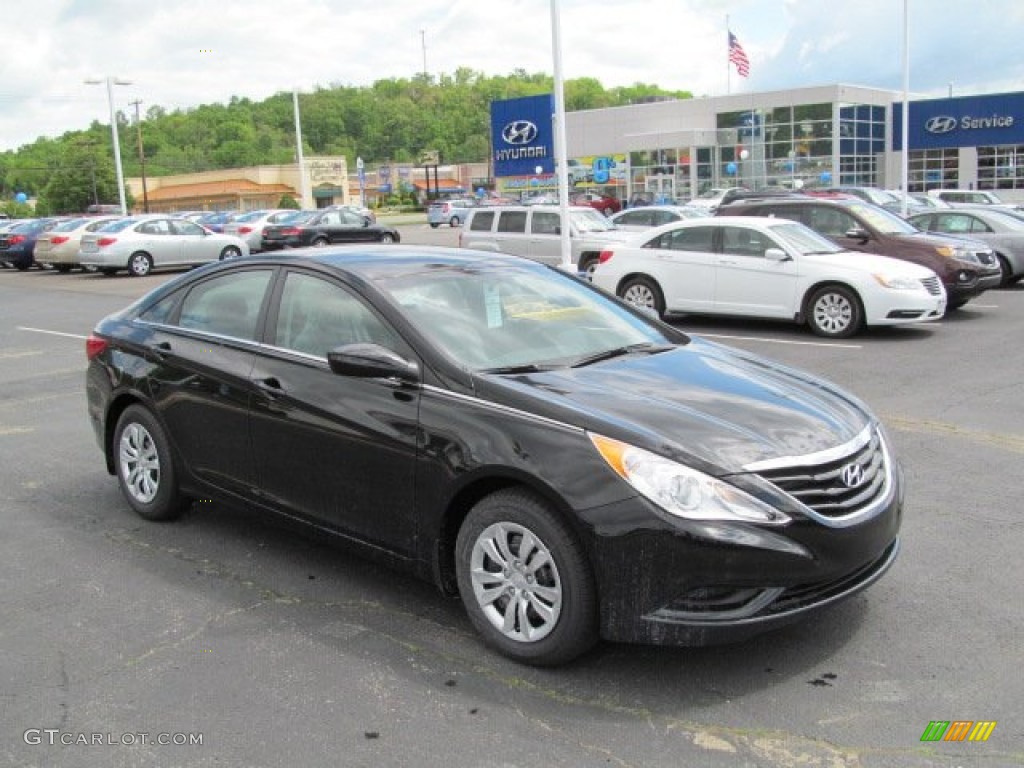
column 303, row 183
column 111, row 82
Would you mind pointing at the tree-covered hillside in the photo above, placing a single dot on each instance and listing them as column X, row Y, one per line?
column 392, row 120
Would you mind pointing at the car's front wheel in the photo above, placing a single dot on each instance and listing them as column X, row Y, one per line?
column 434, row 225
column 140, row 264
column 145, row 467
column 387, row 238
column 319, row 242
column 230, row 252
column 454, row 221
column 644, row 293
column 834, row 311
column 524, row 579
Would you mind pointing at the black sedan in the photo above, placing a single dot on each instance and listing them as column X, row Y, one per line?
column 570, row 466
column 327, row 227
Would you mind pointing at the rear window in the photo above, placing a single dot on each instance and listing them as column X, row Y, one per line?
column 69, row 226
column 512, row 221
column 481, row 221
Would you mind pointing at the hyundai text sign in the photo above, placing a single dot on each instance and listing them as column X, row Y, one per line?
column 973, row 121
column 522, row 136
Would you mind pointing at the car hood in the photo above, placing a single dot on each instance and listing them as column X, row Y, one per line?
column 703, row 404
column 872, row 262
column 935, row 239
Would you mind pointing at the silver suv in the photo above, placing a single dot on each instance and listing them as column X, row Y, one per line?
column 534, row 231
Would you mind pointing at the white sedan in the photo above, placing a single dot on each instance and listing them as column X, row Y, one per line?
column 767, row 268
column 141, row 244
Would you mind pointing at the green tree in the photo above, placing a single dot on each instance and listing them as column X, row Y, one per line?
column 84, row 175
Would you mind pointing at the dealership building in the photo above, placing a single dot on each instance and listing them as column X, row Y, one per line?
column 800, row 138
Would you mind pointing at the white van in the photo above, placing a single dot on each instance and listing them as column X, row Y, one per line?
column 534, row 231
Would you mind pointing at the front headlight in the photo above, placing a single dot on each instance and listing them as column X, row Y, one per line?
column 957, row 252
column 898, row 283
column 683, row 491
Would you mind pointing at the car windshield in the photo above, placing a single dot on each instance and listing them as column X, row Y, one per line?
column 296, row 217
column 803, row 239
column 880, row 197
column 1008, row 220
column 883, row 221
column 591, row 220
column 499, row 318
column 70, row 225
column 120, row 225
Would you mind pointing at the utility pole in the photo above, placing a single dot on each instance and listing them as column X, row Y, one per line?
column 142, row 155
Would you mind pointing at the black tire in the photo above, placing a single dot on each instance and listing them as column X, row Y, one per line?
column 63, row 268
column 454, row 221
column 551, row 611
column 434, row 225
column 956, row 304
column 230, row 252
column 140, row 264
column 587, row 265
column 1007, row 280
column 834, row 312
column 319, row 242
column 145, row 466
column 108, row 271
column 387, row 238
column 643, row 292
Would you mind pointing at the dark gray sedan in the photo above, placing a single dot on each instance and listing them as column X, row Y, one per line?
column 1002, row 230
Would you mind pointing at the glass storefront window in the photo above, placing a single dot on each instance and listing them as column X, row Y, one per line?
column 1001, row 167
column 933, row 169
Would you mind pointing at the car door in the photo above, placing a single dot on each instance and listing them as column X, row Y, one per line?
column 684, row 263
column 201, row 347
column 545, row 241
column 749, row 283
column 196, row 245
column 337, row 450
column 158, row 240
column 352, row 228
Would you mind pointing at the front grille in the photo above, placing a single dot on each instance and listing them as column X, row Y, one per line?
column 837, row 487
column 933, row 285
column 802, row 595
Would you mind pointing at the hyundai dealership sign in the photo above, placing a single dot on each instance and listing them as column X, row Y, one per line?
column 973, row 121
column 523, row 136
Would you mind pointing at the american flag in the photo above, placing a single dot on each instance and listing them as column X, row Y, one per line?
column 738, row 56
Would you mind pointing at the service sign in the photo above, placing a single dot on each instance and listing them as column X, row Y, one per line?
column 522, row 135
column 971, row 121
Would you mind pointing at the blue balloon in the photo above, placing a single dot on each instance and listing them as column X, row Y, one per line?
column 730, row 169
column 21, row 197
column 826, row 177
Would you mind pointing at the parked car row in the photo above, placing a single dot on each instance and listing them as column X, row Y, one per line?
column 142, row 243
column 835, row 264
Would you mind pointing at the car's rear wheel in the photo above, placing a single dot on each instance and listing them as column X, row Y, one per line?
column 454, row 221
column 320, row 242
column 140, row 264
column 524, row 579
column 643, row 292
column 63, row 268
column 145, row 467
column 230, row 252
column 834, row 311
column 587, row 265
column 1004, row 264
column 387, row 238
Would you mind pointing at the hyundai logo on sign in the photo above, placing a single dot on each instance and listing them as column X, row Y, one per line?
column 940, row 124
column 519, row 132
column 852, row 475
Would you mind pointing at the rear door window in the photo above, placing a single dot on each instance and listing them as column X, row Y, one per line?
column 512, row 221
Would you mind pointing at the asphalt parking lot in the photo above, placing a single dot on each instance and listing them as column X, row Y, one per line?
column 270, row 649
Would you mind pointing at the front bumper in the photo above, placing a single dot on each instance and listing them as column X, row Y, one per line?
column 684, row 583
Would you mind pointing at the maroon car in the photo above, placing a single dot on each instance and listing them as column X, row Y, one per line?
column 606, row 204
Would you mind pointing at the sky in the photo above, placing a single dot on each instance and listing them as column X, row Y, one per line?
column 179, row 54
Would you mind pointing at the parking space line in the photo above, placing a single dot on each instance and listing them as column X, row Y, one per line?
column 20, row 353
column 779, row 341
column 52, row 333
column 1010, row 442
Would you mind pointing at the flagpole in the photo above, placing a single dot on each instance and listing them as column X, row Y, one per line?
column 728, row 74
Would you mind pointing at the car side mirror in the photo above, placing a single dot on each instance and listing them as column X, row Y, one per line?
column 776, row 254
column 857, row 233
column 372, row 361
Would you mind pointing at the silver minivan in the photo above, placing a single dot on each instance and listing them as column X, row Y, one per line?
column 534, row 231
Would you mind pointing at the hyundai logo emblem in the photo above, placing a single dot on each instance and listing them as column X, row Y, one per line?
column 852, row 475
column 940, row 124
column 519, row 132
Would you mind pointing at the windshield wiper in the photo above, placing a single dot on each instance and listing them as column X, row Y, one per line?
column 646, row 346
column 522, row 368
